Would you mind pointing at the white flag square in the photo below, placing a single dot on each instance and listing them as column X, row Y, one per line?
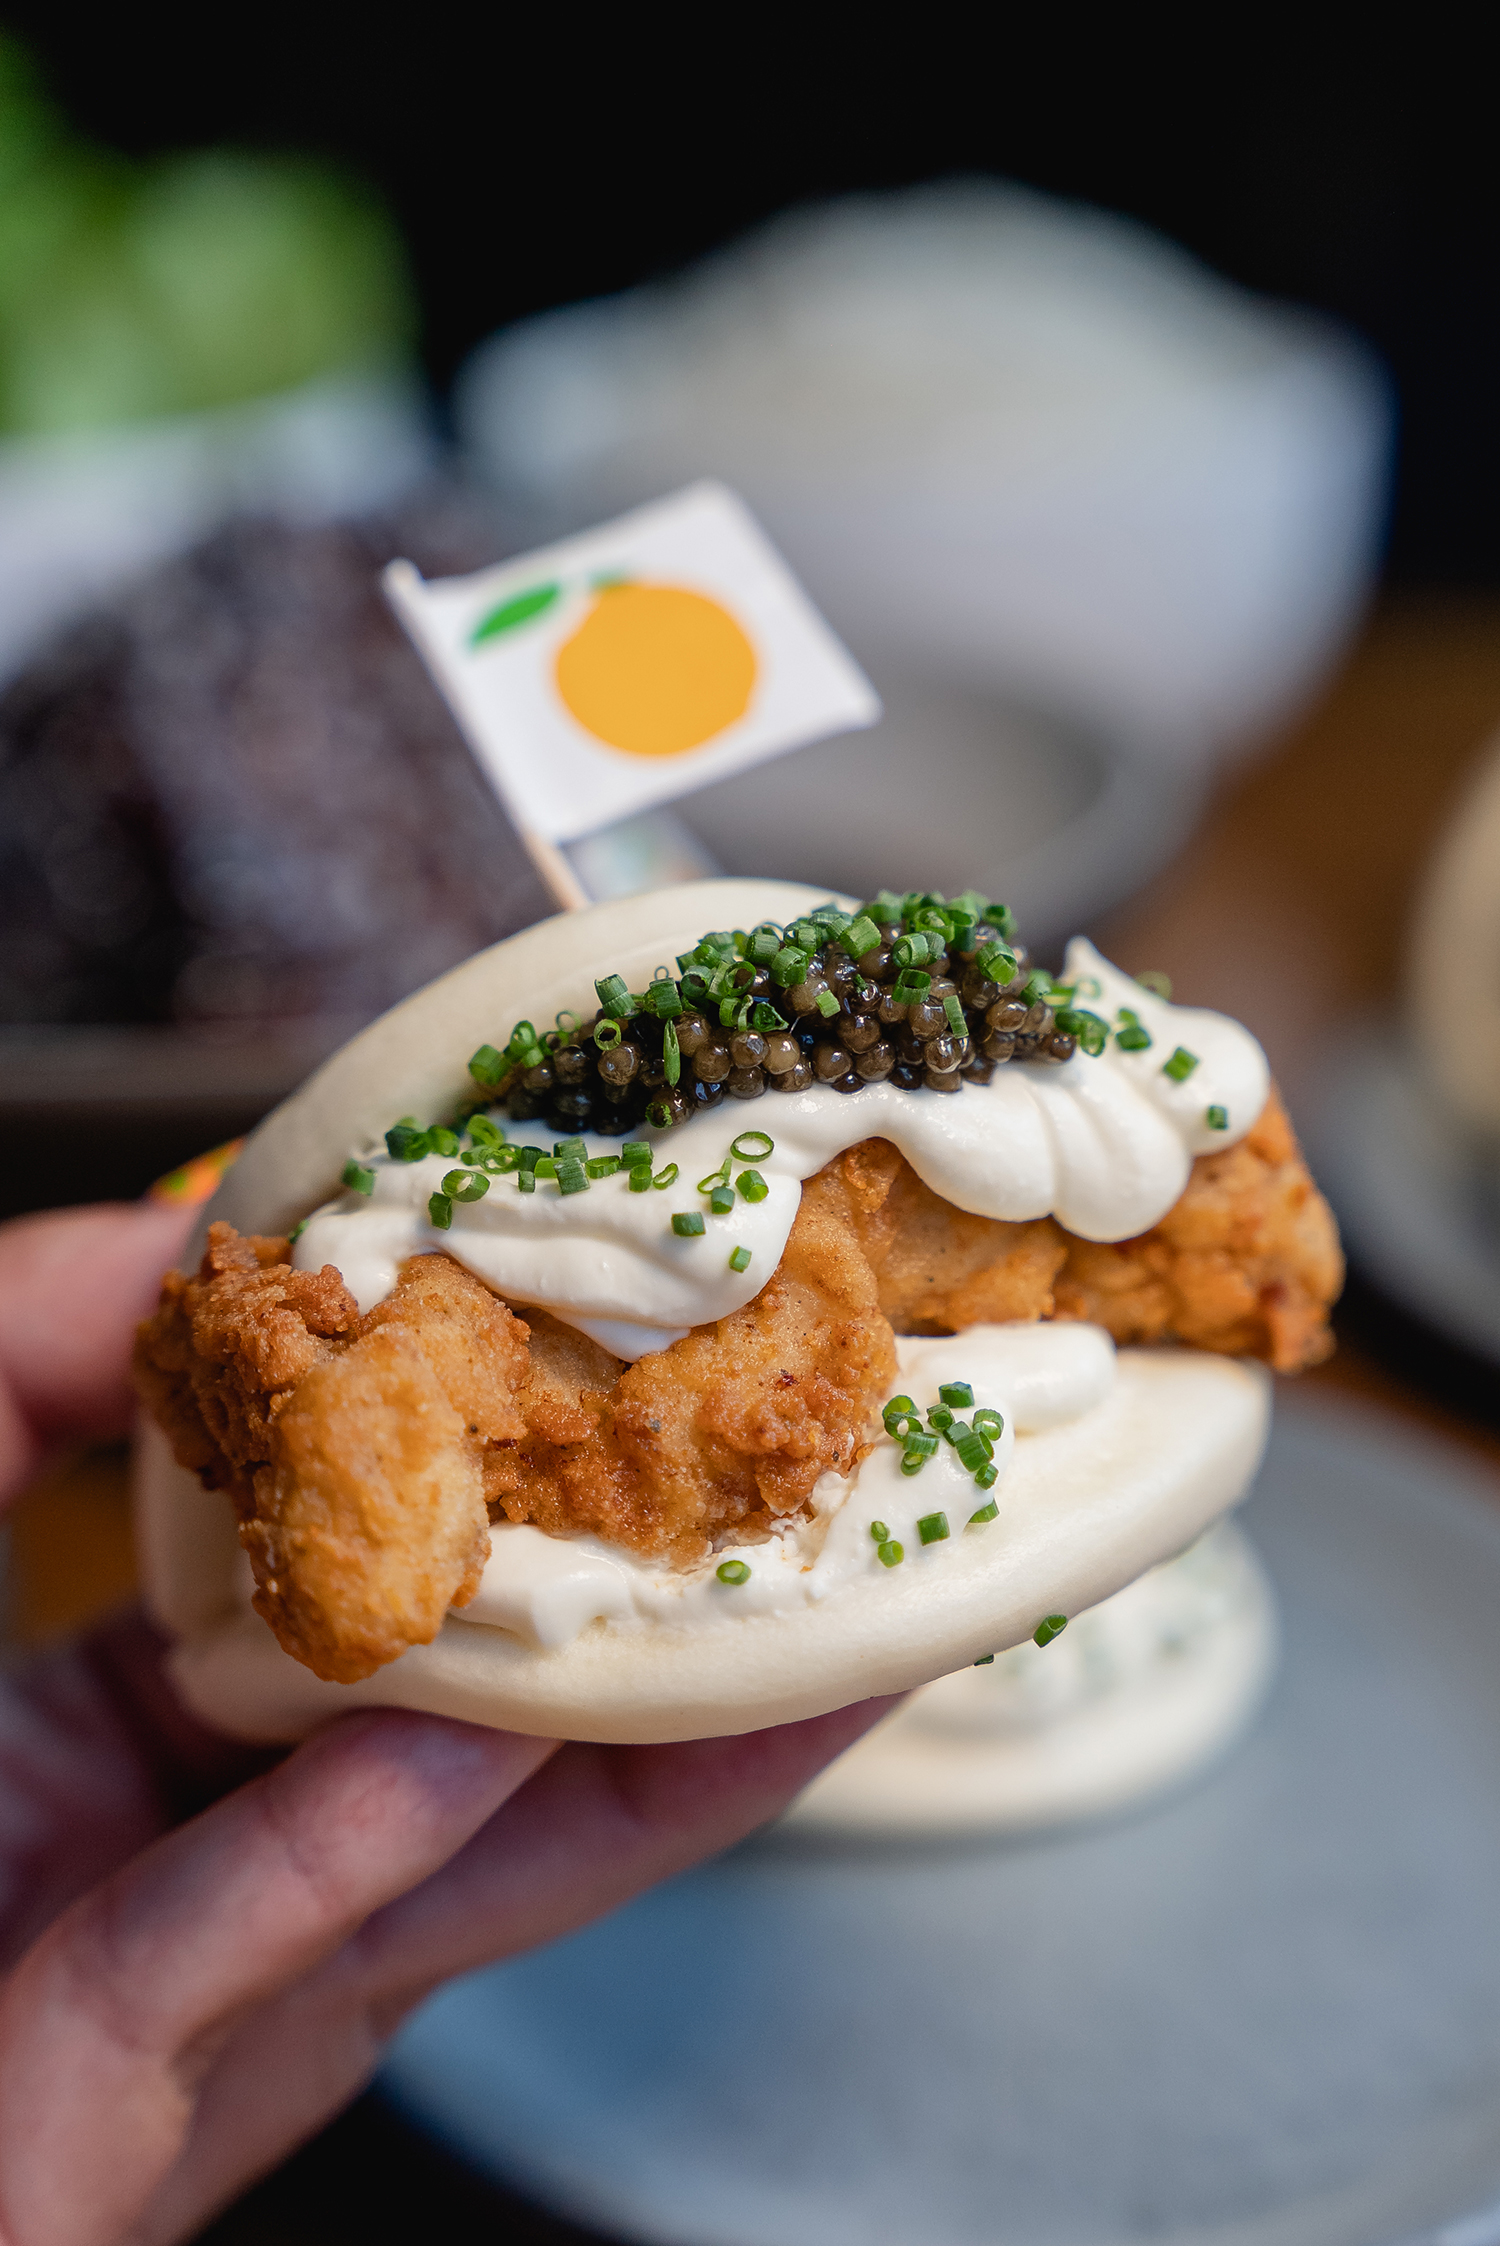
column 632, row 663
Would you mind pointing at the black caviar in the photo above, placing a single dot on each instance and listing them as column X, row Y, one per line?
column 914, row 990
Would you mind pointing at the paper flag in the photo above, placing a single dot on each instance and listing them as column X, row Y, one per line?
column 625, row 666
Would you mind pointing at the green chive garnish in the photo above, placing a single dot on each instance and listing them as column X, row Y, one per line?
column 753, row 1185
column 1053, row 1627
column 544, row 1167
column 359, row 1178
column 958, row 1393
column 572, row 1177
column 941, row 1418
column 828, row 1005
column 634, row 1151
column 879, row 1532
column 752, row 1146
column 987, row 1422
column 986, row 1513
column 890, row 1555
column 916, row 1450
column 721, row 1200
column 933, row 1528
column 1133, row 1039
column 1180, row 1067
column 1076, row 1021
column 987, row 1475
column 440, row 1140
column 957, row 1020
column 1217, row 1118
column 487, row 1067
column 984, row 1661
column 740, row 1260
column 406, row 1141
column 614, row 998
column 603, row 1165
column 466, row 1185
column 526, row 1180
column 687, row 1224
column 607, row 1035
column 666, row 1177
column 1152, row 979
column 440, row 1211
column 732, row 1571
column 860, row 936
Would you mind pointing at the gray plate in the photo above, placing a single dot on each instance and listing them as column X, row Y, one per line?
column 1265, row 2015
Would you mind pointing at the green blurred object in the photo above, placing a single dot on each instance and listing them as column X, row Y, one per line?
column 130, row 291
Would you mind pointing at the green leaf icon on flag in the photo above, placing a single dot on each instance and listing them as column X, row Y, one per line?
column 519, row 609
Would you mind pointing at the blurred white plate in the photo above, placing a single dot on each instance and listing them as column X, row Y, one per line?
column 1262, row 2016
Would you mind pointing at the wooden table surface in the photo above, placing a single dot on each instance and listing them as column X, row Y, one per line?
column 1287, row 910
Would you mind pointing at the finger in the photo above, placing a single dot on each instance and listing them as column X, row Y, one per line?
column 72, row 1286
column 117, row 2011
column 592, row 1828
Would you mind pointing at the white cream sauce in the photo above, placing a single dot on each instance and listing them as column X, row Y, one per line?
column 547, row 1589
column 1104, row 1144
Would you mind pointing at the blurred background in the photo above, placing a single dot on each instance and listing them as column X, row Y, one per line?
column 1131, row 414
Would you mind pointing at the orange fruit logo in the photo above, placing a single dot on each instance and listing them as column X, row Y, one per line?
column 656, row 669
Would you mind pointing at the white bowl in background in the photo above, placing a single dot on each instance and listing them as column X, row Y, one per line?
column 1013, row 442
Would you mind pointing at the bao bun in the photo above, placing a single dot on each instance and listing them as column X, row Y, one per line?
column 1085, row 1508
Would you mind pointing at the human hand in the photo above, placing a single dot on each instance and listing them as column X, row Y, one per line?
column 189, row 1996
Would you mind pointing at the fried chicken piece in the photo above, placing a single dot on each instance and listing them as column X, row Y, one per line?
column 353, row 1447
column 1246, row 1262
column 724, row 1433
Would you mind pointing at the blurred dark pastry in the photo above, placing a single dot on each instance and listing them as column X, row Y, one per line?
column 232, row 799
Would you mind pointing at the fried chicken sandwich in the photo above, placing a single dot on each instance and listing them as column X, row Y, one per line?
column 644, row 1333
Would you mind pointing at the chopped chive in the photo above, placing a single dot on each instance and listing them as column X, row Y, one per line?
column 526, row 1180
column 790, row 965
column 986, row 1513
column 1076, row 1021
column 753, row 1185
column 1133, row 1039
column 974, row 1451
column 640, row 1177
column 958, row 1393
column 440, row 1140
column 296, row 1232
column 607, row 1035
column 671, row 1055
column 484, row 1132
column 765, row 1018
column 890, row 1554
column 687, row 1224
column 899, row 1407
column 763, row 944
column 572, row 1177
column 957, row 1020
column 487, row 1066
column 603, row 1165
column 860, row 936
column 440, row 1211
column 1152, row 979
column 988, row 1422
column 941, row 1418
column 987, row 1475
column 1217, row 1118
column 715, row 1177
column 636, row 1150
column 666, row 1177
column 997, row 962
column 740, row 1260
column 918, row 1449
column 574, row 1148
column 879, row 1532
column 465, row 1185
column 752, row 1146
column 732, row 1571
column 1180, row 1067
column 828, row 1005
column 984, row 1661
column 1051, row 1627
column 544, row 1167
column 910, row 986
column 664, row 999
column 933, row 1528
column 406, row 1141
column 721, row 1200
column 359, row 1178
column 614, row 997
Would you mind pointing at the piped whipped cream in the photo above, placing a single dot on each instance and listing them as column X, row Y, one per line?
column 1102, row 1143
column 547, row 1589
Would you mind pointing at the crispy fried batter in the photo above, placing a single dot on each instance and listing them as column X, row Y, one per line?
column 366, row 1455
column 727, row 1430
column 352, row 1446
column 1247, row 1261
